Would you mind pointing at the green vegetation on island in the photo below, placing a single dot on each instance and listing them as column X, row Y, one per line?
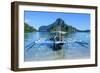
column 58, row 25
column 28, row 28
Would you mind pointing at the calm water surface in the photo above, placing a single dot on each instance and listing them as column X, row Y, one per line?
column 37, row 47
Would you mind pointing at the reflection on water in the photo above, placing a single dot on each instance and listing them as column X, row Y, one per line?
column 38, row 46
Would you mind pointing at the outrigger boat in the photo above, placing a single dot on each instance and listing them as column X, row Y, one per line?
column 55, row 41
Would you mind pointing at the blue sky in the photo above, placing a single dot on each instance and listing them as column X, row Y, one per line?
column 79, row 20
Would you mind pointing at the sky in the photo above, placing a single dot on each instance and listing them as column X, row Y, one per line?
column 36, row 19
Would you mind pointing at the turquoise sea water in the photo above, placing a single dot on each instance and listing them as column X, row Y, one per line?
column 37, row 47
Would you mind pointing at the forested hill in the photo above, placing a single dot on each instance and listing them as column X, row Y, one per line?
column 28, row 28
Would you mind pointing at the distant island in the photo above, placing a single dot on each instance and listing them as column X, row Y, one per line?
column 58, row 25
column 28, row 28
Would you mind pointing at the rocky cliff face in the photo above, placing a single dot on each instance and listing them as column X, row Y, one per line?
column 58, row 25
